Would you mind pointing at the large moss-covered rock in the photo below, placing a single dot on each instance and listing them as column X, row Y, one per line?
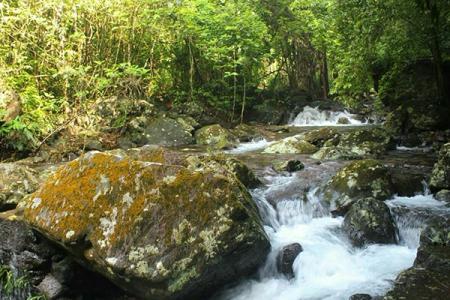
column 430, row 275
column 159, row 231
column 16, row 181
column 359, row 180
column 247, row 133
column 159, row 131
column 360, row 143
column 440, row 179
column 369, row 221
column 215, row 137
column 291, row 145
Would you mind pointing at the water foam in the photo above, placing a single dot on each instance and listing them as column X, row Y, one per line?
column 312, row 116
column 329, row 267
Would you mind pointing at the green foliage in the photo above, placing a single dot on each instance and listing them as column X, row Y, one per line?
column 9, row 284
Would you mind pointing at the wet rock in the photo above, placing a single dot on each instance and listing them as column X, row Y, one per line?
column 158, row 231
column 318, row 137
column 360, row 143
column 406, row 181
column 24, row 251
column 246, row 133
column 286, row 258
column 343, row 121
column 16, row 181
column 291, row 145
column 215, row 137
column 158, row 131
column 289, row 166
column 369, row 221
column 227, row 166
column 443, row 195
column 440, row 178
column 359, row 180
column 429, row 277
column 360, row 297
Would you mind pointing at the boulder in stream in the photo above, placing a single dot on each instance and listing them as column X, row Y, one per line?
column 430, row 275
column 369, row 221
column 293, row 165
column 286, row 258
column 162, row 131
column 216, row 137
column 158, row 231
column 359, row 143
column 440, row 178
column 359, row 180
column 291, row 145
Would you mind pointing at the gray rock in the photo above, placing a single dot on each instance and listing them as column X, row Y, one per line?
column 369, row 221
column 358, row 180
column 286, row 258
column 440, row 178
column 289, row 166
column 16, row 181
column 51, row 287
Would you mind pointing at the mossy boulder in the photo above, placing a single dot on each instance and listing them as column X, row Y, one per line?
column 246, row 133
column 430, row 275
column 293, row 165
column 359, row 180
column 360, row 143
column 162, row 131
column 215, row 137
column 291, row 145
column 369, row 221
column 188, row 123
column 228, row 166
column 16, row 181
column 440, row 178
column 158, row 231
column 318, row 137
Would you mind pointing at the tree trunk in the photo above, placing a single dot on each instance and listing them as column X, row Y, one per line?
column 325, row 78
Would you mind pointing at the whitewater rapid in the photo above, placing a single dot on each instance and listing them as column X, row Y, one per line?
column 329, row 267
column 313, row 116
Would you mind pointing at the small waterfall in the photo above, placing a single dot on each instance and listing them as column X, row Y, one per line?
column 329, row 266
column 311, row 116
column 256, row 144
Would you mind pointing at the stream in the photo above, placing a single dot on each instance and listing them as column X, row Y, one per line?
column 329, row 266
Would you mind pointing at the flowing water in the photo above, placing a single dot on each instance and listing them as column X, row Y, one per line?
column 311, row 116
column 329, row 266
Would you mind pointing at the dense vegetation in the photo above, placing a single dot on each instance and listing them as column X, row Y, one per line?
column 60, row 55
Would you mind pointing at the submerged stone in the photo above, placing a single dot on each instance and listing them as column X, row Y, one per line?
column 156, row 230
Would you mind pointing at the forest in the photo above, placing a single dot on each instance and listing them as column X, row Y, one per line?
column 224, row 149
column 227, row 56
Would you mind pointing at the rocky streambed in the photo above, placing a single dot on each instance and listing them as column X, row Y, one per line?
column 292, row 213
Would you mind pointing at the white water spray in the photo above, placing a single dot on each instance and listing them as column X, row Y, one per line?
column 254, row 145
column 329, row 267
column 311, row 116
